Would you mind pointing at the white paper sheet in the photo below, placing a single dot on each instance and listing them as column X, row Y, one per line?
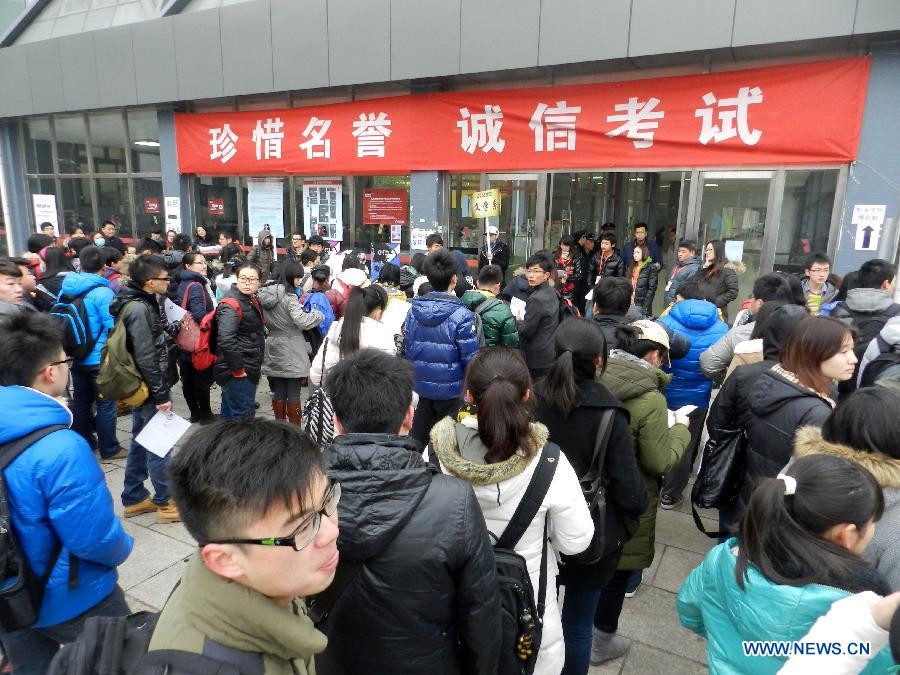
column 517, row 306
column 683, row 410
column 395, row 315
column 174, row 313
column 734, row 250
column 162, row 432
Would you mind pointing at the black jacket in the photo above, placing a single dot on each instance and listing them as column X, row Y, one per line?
column 240, row 342
column 613, row 266
column 723, row 286
column 536, row 332
column 645, row 288
column 425, row 599
column 626, row 497
column 147, row 340
column 517, row 288
column 116, row 243
column 500, row 256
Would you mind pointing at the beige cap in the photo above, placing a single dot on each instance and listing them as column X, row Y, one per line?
column 650, row 330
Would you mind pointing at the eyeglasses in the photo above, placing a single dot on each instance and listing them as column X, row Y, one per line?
column 68, row 361
column 306, row 531
column 248, row 280
column 817, row 270
column 158, row 279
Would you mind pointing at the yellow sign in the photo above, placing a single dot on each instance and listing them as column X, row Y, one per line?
column 486, row 204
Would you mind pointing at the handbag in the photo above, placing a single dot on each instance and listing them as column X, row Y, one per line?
column 318, row 415
column 189, row 331
column 594, row 491
column 721, row 475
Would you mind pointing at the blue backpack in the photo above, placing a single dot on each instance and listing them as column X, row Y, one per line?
column 315, row 336
column 72, row 315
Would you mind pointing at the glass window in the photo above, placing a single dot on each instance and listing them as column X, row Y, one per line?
column 4, row 250
column 143, row 135
column 38, row 148
column 216, row 203
column 518, row 204
column 805, row 217
column 148, row 200
column 347, row 185
column 578, row 202
column 77, row 209
column 464, row 229
column 112, row 203
column 364, row 235
column 285, row 215
column 733, row 207
column 71, row 145
column 108, row 142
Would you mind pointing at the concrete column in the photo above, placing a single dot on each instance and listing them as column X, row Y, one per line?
column 173, row 183
column 876, row 173
column 16, row 210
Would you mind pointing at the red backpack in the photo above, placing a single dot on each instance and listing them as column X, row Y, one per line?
column 204, row 355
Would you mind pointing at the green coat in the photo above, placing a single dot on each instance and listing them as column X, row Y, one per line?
column 498, row 323
column 639, row 386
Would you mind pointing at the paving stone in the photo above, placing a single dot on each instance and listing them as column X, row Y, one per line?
column 642, row 659
column 674, row 568
column 153, row 553
column 155, row 591
column 176, row 531
column 613, row 667
column 678, row 529
column 650, row 617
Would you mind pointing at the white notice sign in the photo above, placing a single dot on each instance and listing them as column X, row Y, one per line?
column 868, row 219
column 173, row 213
column 45, row 211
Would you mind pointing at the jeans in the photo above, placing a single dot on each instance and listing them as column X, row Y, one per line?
column 142, row 463
column 677, row 479
column 578, row 612
column 196, row 384
column 285, row 388
column 31, row 650
column 612, row 598
column 84, row 422
column 238, row 397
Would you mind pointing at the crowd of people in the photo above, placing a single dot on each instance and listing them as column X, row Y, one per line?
column 461, row 427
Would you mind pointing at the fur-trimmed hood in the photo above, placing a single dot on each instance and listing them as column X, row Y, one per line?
column 886, row 470
column 461, row 452
column 736, row 265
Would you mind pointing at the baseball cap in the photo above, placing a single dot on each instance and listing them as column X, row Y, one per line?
column 650, row 330
column 492, row 229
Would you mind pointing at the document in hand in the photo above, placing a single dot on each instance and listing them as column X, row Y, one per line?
column 162, row 432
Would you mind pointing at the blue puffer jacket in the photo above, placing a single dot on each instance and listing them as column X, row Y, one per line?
column 697, row 320
column 440, row 340
column 96, row 302
column 57, row 492
column 711, row 604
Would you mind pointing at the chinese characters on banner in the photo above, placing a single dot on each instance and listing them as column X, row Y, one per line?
column 384, row 207
column 323, row 209
column 799, row 113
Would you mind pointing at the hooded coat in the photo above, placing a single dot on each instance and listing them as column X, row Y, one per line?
column 645, row 288
column 537, row 330
column 682, row 272
column 517, row 288
column 464, row 280
column 882, row 551
column 439, row 339
column 497, row 321
column 263, row 255
column 97, row 295
column 57, row 493
column 499, row 488
column 723, row 286
column 657, row 447
column 286, row 353
column 425, row 598
column 698, row 321
column 890, row 336
column 711, row 604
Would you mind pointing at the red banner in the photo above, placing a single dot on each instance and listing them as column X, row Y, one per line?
column 384, row 207
column 807, row 113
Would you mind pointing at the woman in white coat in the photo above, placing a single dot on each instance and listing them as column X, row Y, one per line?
column 359, row 328
column 497, row 451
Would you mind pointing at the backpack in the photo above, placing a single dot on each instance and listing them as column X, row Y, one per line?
column 868, row 327
column 119, row 378
column 117, row 645
column 888, row 357
column 521, row 615
column 483, row 306
column 317, row 300
column 22, row 592
column 72, row 314
column 204, row 355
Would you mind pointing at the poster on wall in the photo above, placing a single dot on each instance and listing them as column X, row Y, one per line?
column 417, row 238
column 45, row 212
column 385, row 207
column 151, row 206
column 869, row 219
column 215, row 207
column 323, row 209
column 384, row 254
column 265, row 206
column 173, row 213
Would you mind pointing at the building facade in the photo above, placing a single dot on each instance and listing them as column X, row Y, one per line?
column 121, row 109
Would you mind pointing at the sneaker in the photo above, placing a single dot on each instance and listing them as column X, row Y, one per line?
column 146, row 506
column 168, row 513
column 634, row 582
column 667, row 503
column 121, row 454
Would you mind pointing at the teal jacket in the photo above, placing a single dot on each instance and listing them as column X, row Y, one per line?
column 711, row 604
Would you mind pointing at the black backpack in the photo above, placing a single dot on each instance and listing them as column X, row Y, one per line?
column 868, row 327
column 521, row 617
column 888, row 357
column 72, row 314
column 22, row 592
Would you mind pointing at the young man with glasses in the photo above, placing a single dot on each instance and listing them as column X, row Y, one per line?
column 818, row 290
column 422, row 595
column 57, row 497
column 240, row 344
column 297, row 247
column 267, row 534
column 137, row 306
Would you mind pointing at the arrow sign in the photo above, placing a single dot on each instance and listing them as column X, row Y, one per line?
column 867, row 236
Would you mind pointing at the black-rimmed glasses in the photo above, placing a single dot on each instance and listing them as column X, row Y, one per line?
column 306, row 531
column 69, row 360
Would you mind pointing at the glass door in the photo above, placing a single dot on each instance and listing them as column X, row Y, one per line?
column 734, row 206
column 518, row 209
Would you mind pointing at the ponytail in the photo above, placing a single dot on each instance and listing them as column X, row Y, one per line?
column 558, row 386
column 578, row 342
column 498, row 380
column 360, row 304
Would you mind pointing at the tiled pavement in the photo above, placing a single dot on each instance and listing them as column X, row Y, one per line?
column 659, row 643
